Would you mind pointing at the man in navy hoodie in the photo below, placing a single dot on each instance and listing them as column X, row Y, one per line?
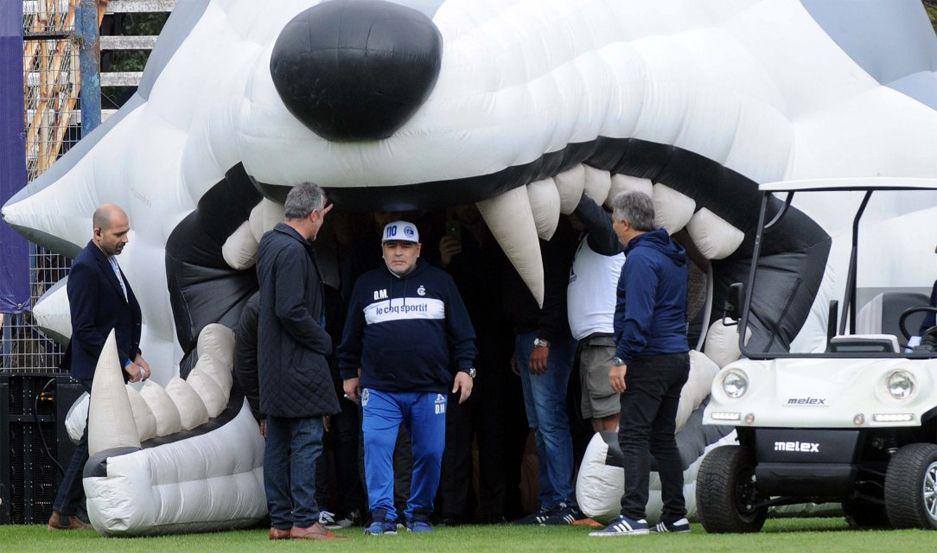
column 651, row 366
column 408, row 340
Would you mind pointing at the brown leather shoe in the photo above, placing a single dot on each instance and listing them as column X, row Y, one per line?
column 315, row 532
column 74, row 523
column 278, row 534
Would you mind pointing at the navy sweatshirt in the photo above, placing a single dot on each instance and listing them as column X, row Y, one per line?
column 407, row 334
column 650, row 314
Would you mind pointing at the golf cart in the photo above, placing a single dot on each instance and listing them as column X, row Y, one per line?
column 856, row 424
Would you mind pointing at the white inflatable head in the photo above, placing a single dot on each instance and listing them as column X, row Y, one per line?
column 698, row 100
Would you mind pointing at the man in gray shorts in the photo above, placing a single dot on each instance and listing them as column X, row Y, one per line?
column 599, row 401
column 590, row 299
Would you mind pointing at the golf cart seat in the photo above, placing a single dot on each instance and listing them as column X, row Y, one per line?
column 865, row 343
column 880, row 315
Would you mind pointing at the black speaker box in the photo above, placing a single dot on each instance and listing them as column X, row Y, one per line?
column 32, row 439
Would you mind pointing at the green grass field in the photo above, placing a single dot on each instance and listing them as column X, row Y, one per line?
column 801, row 535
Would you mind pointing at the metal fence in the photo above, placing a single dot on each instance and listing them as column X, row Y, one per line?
column 52, row 122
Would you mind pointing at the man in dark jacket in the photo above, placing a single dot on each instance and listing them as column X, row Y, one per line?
column 245, row 354
column 652, row 364
column 295, row 385
column 406, row 327
column 100, row 300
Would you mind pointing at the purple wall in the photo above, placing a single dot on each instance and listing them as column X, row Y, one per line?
column 14, row 251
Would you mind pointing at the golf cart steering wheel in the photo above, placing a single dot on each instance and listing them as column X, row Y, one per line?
column 903, row 319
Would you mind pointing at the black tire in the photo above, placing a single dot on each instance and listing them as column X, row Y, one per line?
column 724, row 488
column 865, row 514
column 912, row 473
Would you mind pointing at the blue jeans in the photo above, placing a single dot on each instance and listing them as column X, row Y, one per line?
column 545, row 402
column 425, row 415
column 292, row 449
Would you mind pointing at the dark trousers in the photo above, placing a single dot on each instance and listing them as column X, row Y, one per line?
column 478, row 420
column 647, row 425
column 71, row 493
column 342, row 443
column 292, row 449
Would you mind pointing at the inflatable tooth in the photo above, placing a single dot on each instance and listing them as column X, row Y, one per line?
column 468, row 101
column 183, row 459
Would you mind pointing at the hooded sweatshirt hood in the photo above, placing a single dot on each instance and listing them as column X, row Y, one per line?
column 659, row 240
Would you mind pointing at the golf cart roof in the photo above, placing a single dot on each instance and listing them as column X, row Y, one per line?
column 864, row 183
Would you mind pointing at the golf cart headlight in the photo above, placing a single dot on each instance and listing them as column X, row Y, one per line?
column 900, row 384
column 735, row 384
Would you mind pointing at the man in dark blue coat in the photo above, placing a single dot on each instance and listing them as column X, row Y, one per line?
column 296, row 389
column 100, row 300
column 408, row 340
column 651, row 366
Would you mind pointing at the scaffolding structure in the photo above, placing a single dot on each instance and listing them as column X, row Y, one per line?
column 52, row 121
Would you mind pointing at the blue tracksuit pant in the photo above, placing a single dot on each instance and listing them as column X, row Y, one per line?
column 425, row 415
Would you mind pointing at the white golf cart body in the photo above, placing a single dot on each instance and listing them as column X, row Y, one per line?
column 825, row 392
column 855, row 424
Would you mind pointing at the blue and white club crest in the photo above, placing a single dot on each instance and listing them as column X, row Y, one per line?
column 421, row 291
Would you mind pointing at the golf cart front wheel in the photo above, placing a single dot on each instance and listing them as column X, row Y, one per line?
column 726, row 493
column 911, row 487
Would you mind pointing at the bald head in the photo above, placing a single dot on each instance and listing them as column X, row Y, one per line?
column 106, row 215
column 111, row 228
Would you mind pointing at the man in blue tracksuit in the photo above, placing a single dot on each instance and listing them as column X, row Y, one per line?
column 408, row 341
column 651, row 366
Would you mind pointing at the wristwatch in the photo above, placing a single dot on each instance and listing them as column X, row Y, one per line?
column 617, row 361
column 469, row 371
column 541, row 343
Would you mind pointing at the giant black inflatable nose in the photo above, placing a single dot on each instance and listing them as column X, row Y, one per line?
column 356, row 69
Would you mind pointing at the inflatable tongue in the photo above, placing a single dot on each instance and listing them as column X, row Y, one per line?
column 518, row 106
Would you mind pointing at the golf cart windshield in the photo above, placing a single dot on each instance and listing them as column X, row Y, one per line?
column 888, row 319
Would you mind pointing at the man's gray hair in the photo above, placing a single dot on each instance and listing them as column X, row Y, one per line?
column 303, row 200
column 635, row 208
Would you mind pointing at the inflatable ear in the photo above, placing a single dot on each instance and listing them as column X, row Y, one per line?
column 110, row 418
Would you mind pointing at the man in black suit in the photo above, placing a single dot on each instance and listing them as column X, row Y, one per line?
column 100, row 300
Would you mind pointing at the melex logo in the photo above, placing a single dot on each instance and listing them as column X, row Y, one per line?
column 797, row 447
column 817, row 401
column 380, row 294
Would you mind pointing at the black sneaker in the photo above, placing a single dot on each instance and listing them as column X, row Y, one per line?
column 563, row 515
column 681, row 526
column 535, row 518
